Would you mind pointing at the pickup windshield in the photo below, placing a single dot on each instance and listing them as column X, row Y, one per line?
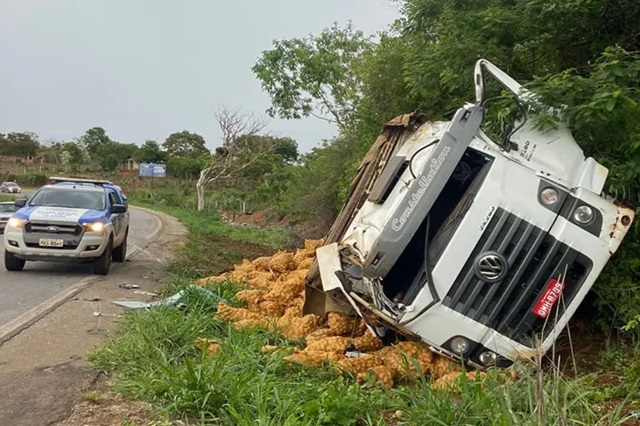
column 7, row 208
column 76, row 199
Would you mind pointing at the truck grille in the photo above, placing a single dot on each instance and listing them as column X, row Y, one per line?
column 53, row 228
column 534, row 257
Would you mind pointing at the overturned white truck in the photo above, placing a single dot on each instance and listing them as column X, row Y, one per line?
column 483, row 250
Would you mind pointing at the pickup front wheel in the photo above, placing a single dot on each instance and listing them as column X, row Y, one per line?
column 12, row 263
column 102, row 265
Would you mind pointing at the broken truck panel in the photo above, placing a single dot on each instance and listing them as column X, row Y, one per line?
column 482, row 250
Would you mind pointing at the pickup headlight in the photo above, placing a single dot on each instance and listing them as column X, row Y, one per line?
column 16, row 222
column 583, row 215
column 94, row 227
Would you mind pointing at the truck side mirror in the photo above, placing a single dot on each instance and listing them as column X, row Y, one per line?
column 20, row 203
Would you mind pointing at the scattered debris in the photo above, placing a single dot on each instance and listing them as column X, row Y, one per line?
column 172, row 300
column 129, row 286
column 102, row 314
column 145, row 293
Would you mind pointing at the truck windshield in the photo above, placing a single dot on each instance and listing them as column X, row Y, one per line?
column 76, row 198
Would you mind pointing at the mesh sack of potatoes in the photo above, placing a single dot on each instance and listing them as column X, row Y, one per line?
column 383, row 375
column 311, row 245
column 282, row 261
column 275, row 302
column 301, row 256
column 261, row 263
column 298, row 328
column 312, row 358
column 451, row 380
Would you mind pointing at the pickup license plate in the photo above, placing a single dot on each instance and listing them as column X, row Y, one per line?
column 48, row 242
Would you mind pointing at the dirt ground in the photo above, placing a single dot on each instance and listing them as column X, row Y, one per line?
column 44, row 378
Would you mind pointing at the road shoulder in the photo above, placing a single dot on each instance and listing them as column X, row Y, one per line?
column 43, row 373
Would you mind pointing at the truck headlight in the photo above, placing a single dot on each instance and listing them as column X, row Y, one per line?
column 583, row 215
column 488, row 358
column 459, row 345
column 16, row 223
column 94, row 227
column 549, row 196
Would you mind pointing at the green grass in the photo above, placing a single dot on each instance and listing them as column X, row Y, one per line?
column 153, row 358
column 213, row 245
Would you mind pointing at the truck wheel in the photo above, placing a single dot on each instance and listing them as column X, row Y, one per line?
column 120, row 252
column 102, row 265
column 12, row 263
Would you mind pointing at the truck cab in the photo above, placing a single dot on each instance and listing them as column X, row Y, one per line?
column 69, row 220
column 483, row 250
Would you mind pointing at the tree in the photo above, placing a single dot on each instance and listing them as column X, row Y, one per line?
column 185, row 144
column 19, row 144
column 150, row 152
column 236, row 154
column 186, row 167
column 94, row 138
column 275, row 153
column 112, row 154
column 315, row 76
column 444, row 38
column 287, row 149
column 74, row 155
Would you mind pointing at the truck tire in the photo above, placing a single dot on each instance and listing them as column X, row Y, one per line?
column 12, row 263
column 102, row 265
column 120, row 252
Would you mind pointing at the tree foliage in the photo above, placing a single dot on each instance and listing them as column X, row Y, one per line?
column 112, row 154
column 150, row 152
column 19, row 144
column 74, row 155
column 185, row 144
column 315, row 75
column 94, row 138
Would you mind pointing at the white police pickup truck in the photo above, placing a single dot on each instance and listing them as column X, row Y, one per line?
column 69, row 220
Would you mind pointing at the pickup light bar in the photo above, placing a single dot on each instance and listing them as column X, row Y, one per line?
column 79, row 180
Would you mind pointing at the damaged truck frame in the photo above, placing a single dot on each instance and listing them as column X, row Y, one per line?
column 482, row 250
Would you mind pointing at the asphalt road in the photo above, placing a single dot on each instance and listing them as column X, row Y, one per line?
column 39, row 281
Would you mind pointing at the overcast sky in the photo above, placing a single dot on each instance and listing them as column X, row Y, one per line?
column 143, row 69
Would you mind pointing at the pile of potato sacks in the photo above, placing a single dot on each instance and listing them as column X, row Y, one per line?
column 274, row 300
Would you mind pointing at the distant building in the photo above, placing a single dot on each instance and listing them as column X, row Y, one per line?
column 130, row 164
column 29, row 159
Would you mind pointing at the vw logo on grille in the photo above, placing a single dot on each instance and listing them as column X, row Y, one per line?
column 491, row 267
column 52, row 229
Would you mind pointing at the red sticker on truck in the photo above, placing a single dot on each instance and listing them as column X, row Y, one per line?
column 548, row 298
